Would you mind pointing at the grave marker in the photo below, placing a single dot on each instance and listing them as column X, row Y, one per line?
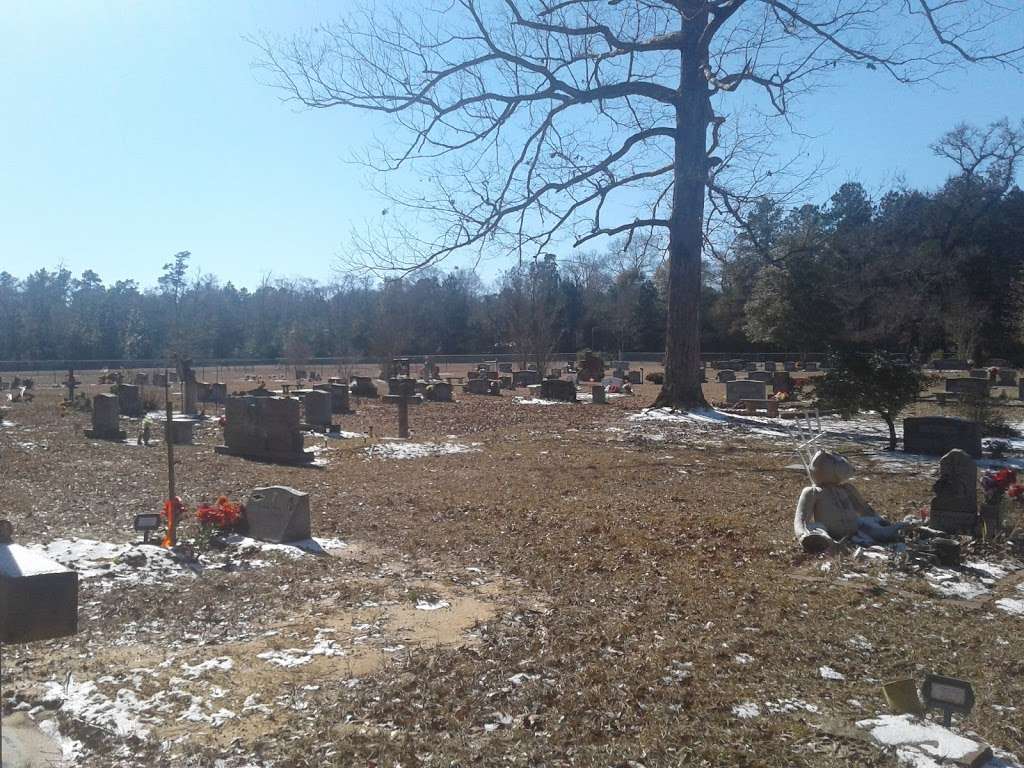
column 726, row 376
column 938, row 435
column 105, row 419
column 38, row 596
column 278, row 514
column 265, row 428
column 954, row 507
column 735, row 391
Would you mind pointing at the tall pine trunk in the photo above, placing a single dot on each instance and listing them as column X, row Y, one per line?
column 686, row 229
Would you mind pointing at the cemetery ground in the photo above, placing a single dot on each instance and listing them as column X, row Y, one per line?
column 546, row 585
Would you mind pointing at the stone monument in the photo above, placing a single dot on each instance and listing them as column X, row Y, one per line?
column 264, row 428
column 954, row 507
column 277, row 514
column 105, row 415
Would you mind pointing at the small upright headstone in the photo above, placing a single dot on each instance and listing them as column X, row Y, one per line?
column 769, row 366
column 938, row 435
column 525, row 378
column 558, row 389
column 954, row 507
column 764, row 376
column 811, row 365
column 105, row 424
column 598, row 394
column 789, row 365
column 978, row 373
column 438, row 392
column 1007, row 377
column 726, row 376
column 129, row 399
column 744, row 390
column 635, row 377
column 339, row 395
column 317, row 406
column 182, row 431
column 968, row 386
column 141, row 379
column 278, row 514
column 363, row 386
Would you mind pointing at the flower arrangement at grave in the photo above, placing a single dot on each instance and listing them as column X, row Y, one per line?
column 1000, row 488
column 222, row 515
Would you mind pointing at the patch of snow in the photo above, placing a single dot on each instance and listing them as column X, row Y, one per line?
column 86, row 702
column 71, row 750
column 397, row 450
column 288, row 658
column 951, row 584
column 920, row 743
column 747, row 710
column 743, row 658
column 221, row 663
column 431, row 605
column 540, row 401
column 1011, row 605
column 827, row 673
column 102, row 560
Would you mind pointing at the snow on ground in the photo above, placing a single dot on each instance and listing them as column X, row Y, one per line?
column 540, row 401
column 924, row 744
column 123, row 564
column 401, row 450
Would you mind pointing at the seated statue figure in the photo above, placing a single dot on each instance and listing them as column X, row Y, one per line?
column 832, row 509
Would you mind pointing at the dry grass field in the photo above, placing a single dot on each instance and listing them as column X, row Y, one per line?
column 557, row 585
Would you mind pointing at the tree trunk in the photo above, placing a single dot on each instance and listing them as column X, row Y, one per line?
column 892, row 431
column 686, row 228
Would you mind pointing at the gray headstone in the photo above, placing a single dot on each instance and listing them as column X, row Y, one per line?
column 129, row 399
column 954, row 507
column 182, row 431
column 558, row 389
column 769, row 366
column 726, row 375
column 750, row 367
column 635, row 377
column 949, row 364
column 1007, row 377
column 339, row 395
column 317, row 406
column 745, row 390
column 278, row 514
column 439, row 392
column 363, row 386
column 482, row 387
column 789, row 365
column 105, row 423
column 598, row 393
column 978, row 373
column 525, row 378
column 811, row 366
column 266, row 428
column 938, row 435
column 968, row 386
column 505, row 367
column 38, row 597
column 764, row 376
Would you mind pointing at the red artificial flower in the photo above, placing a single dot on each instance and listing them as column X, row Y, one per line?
column 1016, row 491
column 223, row 514
column 1005, row 478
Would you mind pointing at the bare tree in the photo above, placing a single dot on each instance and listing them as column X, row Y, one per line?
column 604, row 117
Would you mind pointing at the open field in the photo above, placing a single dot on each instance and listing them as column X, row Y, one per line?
column 548, row 585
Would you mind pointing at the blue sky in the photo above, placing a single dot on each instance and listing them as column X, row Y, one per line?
column 136, row 129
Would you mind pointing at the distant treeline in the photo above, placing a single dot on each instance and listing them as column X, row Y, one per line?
column 912, row 270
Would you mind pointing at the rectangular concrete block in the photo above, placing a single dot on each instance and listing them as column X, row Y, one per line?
column 38, row 596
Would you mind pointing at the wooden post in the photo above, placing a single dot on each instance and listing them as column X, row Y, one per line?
column 71, row 385
column 169, row 438
column 403, row 415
